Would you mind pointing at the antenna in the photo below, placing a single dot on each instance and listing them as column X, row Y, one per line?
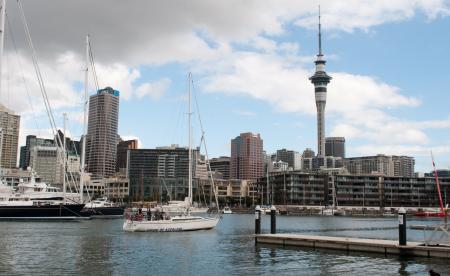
column 320, row 36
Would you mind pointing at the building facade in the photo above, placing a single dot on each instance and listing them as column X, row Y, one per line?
column 335, row 146
column 101, row 138
column 221, row 165
column 146, row 168
column 9, row 137
column 45, row 161
column 315, row 189
column 247, row 158
column 122, row 149
column 388, row 165
column 31, row 142
column 292, row 158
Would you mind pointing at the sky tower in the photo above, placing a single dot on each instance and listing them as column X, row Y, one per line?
column 320, row 79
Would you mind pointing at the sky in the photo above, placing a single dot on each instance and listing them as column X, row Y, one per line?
column 250, row 62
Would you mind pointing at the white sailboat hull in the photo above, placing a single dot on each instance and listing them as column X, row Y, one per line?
column 173, row 225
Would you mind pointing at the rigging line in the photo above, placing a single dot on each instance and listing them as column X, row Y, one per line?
column 13, row 40
column 91, row 59
column 37, row 71
column 204, row 144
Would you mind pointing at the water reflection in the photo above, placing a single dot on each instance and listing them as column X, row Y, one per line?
column 102, row 248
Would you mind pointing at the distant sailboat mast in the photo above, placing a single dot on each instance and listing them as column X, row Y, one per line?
column 190, row 140
column 441, row 205
column 83, row 145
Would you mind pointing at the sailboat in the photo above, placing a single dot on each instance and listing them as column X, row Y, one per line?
column 160, row 221
column 443, row 212
column 334, row 210
column 100, row 207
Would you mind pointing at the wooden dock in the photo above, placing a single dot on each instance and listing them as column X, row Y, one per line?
column 387, row 247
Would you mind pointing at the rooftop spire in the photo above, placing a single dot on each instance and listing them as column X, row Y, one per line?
column 320, row 36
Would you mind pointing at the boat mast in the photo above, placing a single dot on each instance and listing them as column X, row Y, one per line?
column 441, row 205
column 83, row 146
column 65, row 156
column 267, row 182
column 190, row 139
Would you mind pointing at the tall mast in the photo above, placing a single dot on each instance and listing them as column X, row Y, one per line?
column 441, row 205
column 83, row 146
column 2, row 34
column 65, row 156
column 190, row 139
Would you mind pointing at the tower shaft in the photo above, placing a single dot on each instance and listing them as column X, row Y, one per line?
column 320, row 79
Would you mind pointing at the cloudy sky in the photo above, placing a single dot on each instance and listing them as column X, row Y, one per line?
column 250, row 62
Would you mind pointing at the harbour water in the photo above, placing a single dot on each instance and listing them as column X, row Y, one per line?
column 100, row 247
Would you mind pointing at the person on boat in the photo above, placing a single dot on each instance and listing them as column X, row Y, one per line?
column 149, row 214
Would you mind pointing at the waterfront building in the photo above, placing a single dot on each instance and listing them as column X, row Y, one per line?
column 320, row 79
column 292, row 158
column 114, row 188
column 45, row 161
column 388, row 165
column 229, row 191
column 31, row 142
column 9, row 137
column 101, row 138
column 122, row 150
column 221, row 165
column 315, row 189
column 335, row 146
column 247, row 158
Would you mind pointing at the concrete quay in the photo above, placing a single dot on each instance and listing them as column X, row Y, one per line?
column 386, row 247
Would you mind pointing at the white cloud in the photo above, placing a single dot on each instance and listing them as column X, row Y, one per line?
column 155, row 89
column 348, row 15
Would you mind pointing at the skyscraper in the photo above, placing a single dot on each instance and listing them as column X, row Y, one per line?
column 9, row 137
column 320, row 79
column 335, row 146
column 101, row 138
column 247, row 160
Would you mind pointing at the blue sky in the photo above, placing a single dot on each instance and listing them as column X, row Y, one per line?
column 250, row 63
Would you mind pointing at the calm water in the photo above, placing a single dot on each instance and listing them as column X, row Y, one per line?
column 100, row 247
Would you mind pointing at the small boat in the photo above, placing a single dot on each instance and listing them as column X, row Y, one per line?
column 102, row 208
column 227, row 210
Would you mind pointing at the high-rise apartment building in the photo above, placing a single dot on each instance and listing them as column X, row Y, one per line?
column 101, row 138
column 388, row 165
column 9, row 137
column 122, row 149
column 221, row 165
column 247, row 160
column 320, row 79
column 335, row 146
